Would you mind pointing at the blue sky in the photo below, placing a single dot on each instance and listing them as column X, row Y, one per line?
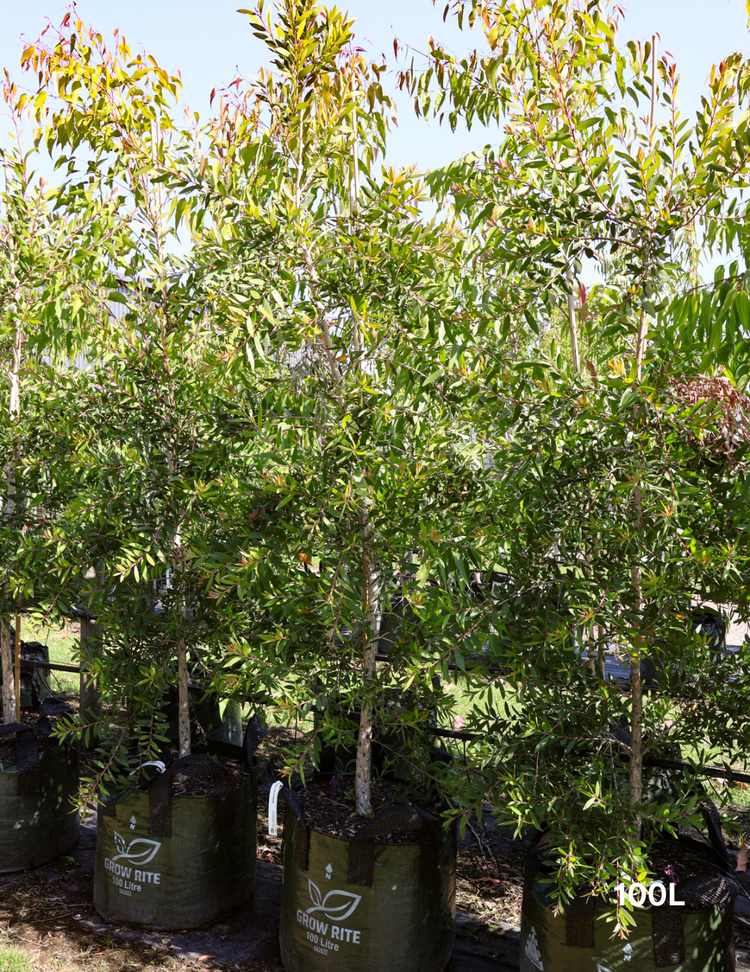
column 208, row 42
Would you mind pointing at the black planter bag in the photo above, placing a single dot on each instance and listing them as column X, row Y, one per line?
column 357, row 905
column 35, row 686
column 219, row 726
column 38, row 818
column 166, row 861
column 208, row 723
column 696, row 937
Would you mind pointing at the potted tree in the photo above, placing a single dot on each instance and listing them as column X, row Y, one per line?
column 176, row 831
column 353, row 301
column 598, row 465
column 41, row 254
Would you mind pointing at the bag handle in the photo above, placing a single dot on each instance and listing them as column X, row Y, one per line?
column 189, row 767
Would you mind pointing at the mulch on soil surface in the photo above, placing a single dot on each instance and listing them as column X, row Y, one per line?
column 184, row 785
column 329, row 808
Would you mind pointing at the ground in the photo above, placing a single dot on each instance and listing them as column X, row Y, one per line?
column 47, row 916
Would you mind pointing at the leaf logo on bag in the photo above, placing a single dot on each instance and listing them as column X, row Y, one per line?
column 532, row 950
column 138, row 851
column 332, row 911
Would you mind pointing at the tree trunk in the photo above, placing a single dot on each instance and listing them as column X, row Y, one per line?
column 636, row 692
column 183, row 710
column 11, row 704
column 183, row 699
column 363, row 772
column 6, row 657
column 363, row 769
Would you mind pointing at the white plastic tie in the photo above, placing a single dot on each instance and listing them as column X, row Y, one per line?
column 153, row 762
column 273, row 804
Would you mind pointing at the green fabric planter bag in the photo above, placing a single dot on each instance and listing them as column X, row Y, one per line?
column 693, row 938
column 167, row 861
column 358, row 906
column 38, row 818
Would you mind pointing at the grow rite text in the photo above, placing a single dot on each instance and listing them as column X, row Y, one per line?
column 129, row 879
column 317, row 932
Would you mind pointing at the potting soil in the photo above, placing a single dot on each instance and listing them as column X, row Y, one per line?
column 329, row 807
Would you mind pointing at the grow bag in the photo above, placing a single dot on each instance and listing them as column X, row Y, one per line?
column 355, row 904
column 208, row 723
column 38, row 819
column 219, row 726
column 34, row 679
column 694, row 938
column 170, row 861
column 388, row 743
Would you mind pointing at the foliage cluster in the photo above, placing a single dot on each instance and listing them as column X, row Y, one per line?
column 285, row 410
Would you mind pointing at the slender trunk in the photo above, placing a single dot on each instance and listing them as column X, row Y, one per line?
column 572, row 324
column 363, row 772
column 183, row 699
column 184, row 703
column 92, row 638
column 636, row 691
column 11, row 685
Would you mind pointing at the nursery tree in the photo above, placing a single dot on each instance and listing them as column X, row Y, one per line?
column 555, row 733
column 345, row 312
column 45, row 275
column 140, row 403
column 578, row 176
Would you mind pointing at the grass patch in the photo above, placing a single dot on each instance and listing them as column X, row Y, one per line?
column 14, row 960
column 63, row 650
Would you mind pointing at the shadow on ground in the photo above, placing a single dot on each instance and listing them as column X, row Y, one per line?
column 50, row 910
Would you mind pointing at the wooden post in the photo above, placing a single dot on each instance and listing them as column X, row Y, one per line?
column 92, row 636
column 6, row 657
column 18, row 666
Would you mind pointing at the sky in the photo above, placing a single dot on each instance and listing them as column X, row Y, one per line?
column 209, row 42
